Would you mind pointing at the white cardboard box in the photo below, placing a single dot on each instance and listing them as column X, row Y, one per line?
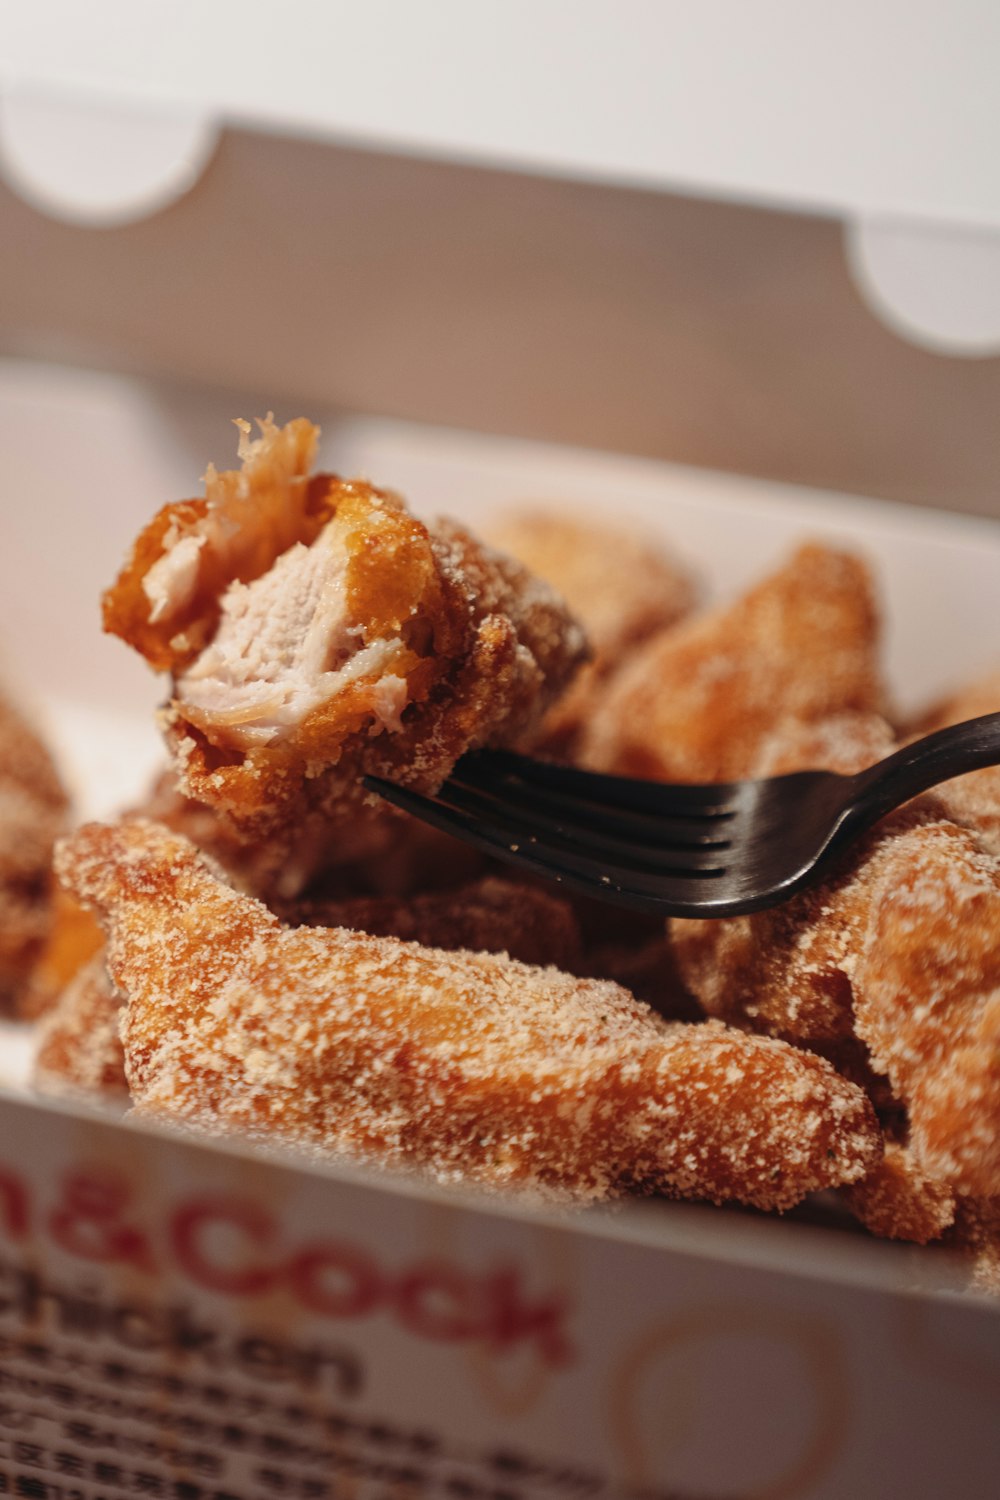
column 195, row 1321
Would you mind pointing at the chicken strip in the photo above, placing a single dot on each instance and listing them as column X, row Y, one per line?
column 972, row 800
column 79, row 1047
column 74, row 936
column 473, row 1066
column 900, row 1201
column 622, row 586
column 900, row 950
column 696, row 702
column 927, row 999
column 33, row 811
column 787, row 970
column 492, row 915
column 316, row 631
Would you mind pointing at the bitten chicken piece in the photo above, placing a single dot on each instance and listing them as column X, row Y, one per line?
column 696, row 702
column 316, row 631
column 473, row 1066
column 622, row 586
column 33, row 810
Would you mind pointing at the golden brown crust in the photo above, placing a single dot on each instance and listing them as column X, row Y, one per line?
column 74, row 937
column 787, row 971
column 927, row 1000
column 472, row 1066
column 490, row 916
column 33, row 809
column 80, row 1050
column 900, row 950
column 973, row 801
column 900, row 1201
column 696, row 702
column 623, row 588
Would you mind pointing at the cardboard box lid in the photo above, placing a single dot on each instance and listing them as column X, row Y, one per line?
column 591, row 307
column 854, row 109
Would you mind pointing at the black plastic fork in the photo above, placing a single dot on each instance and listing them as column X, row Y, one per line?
column 715, row 850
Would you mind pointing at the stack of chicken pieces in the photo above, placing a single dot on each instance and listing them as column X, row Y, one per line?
column 285, row 958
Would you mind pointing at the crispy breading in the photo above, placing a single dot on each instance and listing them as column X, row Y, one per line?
column 972, row 800
column 787, row 970
column 697, row 701
column 491, row 915
column 622, row 586
column 33, row 811
column 898, row 1200
column 927, row 999
column 472, row 1066
column 79, row 1049
column 74, row 936
column 901, row 949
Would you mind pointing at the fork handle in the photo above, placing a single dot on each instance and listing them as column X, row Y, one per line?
column 926, row 763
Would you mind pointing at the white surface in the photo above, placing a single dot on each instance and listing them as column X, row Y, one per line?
column 99, row 164
column 864, row 111
column 886, row 108
column 937, row 285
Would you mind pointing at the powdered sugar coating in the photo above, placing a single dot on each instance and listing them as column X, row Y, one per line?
column 472, row 1066
column 622, row 586
column 927, row 999
column 696, row 702
column 79, row 1046
column 33, row 809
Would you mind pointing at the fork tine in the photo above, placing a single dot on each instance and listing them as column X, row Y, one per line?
column 552, row 809
column 607, row 839
column 576, row 861
column 693, row 800
column 666, row 891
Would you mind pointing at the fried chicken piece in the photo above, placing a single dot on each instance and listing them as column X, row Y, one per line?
column 473, row 1066
column 927, row 999
column 973, row 800
column 900, row 1201
column 787, row 970
column 622, row 586
column 74, row 937
column 316, row 631
column 696, row 702
column 280, row 867
column 648, row 970
column 33, row 810
column 490, row 916
column 901, row 950
column 976, row 1232
column 80, row 1050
